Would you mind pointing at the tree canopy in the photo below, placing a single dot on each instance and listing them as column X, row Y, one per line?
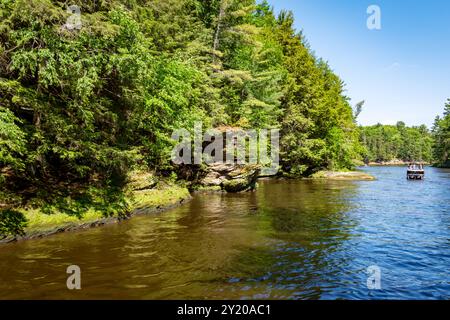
column 80, row 107
column 87, row 104
column 399, row 142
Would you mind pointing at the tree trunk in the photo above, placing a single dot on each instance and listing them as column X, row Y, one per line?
column 219, row 26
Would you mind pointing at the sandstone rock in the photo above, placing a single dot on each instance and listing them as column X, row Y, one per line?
column 231, row 177
column 237, row 185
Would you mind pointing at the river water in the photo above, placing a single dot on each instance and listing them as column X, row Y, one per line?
column 288, row 240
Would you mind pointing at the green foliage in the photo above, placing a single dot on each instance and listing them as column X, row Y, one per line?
column 441, row 134
column 386, row 143
column 12, row 139
column 109, row 201
column 91, row 102
column 318, row 128
column 12, row 223
column 80, row 109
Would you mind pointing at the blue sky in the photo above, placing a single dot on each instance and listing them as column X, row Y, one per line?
column 402, row 71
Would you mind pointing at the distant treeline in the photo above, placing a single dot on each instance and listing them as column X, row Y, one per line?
column 389, row 142
column 398, row 142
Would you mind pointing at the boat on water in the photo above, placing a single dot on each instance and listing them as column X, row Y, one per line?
column 416, row 171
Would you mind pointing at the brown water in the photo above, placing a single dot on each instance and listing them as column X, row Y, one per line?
column 288, row 240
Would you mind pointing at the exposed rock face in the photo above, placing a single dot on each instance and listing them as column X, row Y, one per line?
column 231, row 177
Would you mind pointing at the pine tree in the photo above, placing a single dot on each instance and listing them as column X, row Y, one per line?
column 441, row 133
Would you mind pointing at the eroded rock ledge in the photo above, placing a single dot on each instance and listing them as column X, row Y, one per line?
column 229, row 178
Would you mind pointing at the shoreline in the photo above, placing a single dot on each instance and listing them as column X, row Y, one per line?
column 342, row 176
column 148, row 204
column 393, row 164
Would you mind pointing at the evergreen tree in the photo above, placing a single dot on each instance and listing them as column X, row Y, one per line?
column 441, row 133
column 82, row 106
column 385, row 143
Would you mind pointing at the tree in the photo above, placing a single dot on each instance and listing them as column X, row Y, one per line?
column 399, row 142
column 318, row 129
column 441, row 134
column 81, row 108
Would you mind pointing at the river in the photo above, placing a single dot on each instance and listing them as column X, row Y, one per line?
column 288, row 240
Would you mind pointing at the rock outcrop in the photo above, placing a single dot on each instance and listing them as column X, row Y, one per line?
column 230, row 177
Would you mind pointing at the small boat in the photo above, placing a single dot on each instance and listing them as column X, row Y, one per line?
column 415, row 172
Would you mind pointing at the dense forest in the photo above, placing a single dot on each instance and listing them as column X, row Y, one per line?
column 387, row 142
column 83, row 105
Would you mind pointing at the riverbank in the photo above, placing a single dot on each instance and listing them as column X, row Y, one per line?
column 140, row 201
column 392, row 163
column 144, row 196
column 342, row 175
